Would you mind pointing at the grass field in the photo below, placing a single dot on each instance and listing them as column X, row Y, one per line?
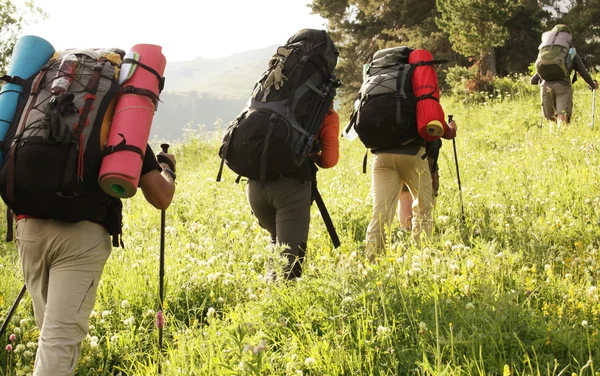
column 511, row 291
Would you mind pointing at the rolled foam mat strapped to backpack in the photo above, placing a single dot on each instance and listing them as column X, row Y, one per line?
column 430, row 115
column 29, row 56
column 130, row 129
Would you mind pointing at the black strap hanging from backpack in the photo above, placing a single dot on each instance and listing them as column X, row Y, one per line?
column 316, row 196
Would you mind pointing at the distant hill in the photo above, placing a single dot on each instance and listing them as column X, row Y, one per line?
column 230, row 77
column 200, row 91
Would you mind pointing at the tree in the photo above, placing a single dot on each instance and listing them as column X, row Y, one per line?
column 582, row 18
column 475, row 27
column 12, row 20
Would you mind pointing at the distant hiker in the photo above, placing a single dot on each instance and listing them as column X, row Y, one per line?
column 387, row 121
column 288, row 126
column 555, row 62
column 64, row 219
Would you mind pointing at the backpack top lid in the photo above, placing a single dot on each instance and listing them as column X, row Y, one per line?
column 390, row 56
column 559, row 35
column 313, row 41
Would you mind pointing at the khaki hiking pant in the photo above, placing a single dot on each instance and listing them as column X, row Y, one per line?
column 282, row 207
column 62, row 264
column 557, row 99
column 389, row 173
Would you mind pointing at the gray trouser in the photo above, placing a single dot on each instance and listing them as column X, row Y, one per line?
column 283, row 208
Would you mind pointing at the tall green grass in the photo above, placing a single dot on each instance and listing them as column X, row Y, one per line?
column 512, row 291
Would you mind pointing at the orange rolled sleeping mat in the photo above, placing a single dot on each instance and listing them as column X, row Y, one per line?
column 430, row 115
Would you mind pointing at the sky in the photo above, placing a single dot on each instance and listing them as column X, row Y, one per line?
column 186, row 29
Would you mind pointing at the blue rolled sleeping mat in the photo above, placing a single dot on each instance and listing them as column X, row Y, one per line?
column 29, row 56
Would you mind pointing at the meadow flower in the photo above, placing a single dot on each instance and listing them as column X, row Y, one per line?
column 23, row 322
column 592, row 291
column 584, row 323
column 469, row 306
column 114, row 340
column 309, row 362
column 20, row 348
column 17, row 330
column 160, row 320
column 9, row 347
column 12, row 337
column 383, row 331
column 470, row 264
column 27, row 354
column 129, row 321
column 210, row 312
column 125, row 304
column 422, row 327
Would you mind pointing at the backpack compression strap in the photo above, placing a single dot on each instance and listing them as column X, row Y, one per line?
column 130, row 89
column 124, row 146
column 263, row 159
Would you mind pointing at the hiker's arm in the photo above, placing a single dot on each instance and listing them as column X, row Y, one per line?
column 157, row 183
column 330, row 146
column 535, row 79
column 450, row 131
column 583, row 72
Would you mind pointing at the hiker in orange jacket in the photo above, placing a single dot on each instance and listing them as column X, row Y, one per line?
column 282, row 206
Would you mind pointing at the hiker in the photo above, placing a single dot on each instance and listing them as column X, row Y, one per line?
column 282, row 206
column 62, row 264
column 53, row 152
column 287, row 126
column 398, row 117
column 556, row 60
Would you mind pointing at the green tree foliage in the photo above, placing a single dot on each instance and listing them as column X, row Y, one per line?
column 476, row 27
column 12, row 20
column 583, row 17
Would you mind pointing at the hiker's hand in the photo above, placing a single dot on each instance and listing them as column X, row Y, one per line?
column 453, row 125
column 595, row 85
column 166, row 160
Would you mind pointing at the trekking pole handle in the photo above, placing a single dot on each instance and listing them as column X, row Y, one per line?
column 450, row 118
column 165, row 148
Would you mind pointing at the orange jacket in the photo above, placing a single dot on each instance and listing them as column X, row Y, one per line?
column 330, row 146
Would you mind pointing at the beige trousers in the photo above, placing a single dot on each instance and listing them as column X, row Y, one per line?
column 389, row 173
column 62, row 264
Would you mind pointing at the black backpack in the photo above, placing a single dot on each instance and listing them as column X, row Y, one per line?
column 277, row 129
column 385, row 106
column 53, row 152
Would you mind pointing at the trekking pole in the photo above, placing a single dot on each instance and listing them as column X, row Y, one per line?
column 12, row 310
column 160, row 320
column 462, row 207
column 593, row 107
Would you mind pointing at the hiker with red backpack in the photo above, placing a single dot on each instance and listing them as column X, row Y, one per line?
column 556, row 60
column 65, row 220
column 397, row 115
column 287, row 129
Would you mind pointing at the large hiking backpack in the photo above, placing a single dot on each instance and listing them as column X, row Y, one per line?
column 385, row 110
column 277, row 129
column 555, row 56
column 52, row 165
